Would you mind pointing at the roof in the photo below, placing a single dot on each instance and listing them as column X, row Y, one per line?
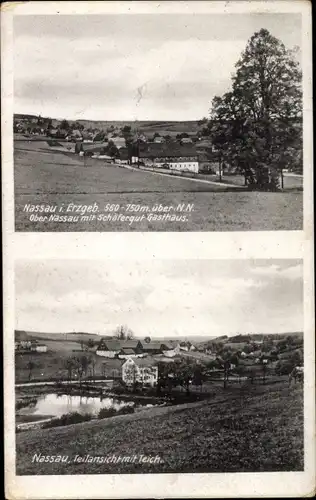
column 173, row 343
column 130, row 344
column 118, row 141
column 150, row 346
column 86, row 135
column 96, row 146
column 170, row 344
column 286, row 354
column 109, row 345
column 127, row 351
column 172, row 149
column 145, row 361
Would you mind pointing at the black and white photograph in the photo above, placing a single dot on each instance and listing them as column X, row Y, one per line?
column 159, row 302
column 159, row 366
column 158, row 122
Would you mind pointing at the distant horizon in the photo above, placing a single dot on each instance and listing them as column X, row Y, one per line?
column 160, row 337
column 107, row 119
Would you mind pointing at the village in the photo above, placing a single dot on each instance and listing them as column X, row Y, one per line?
column 192, row 152
column 183, row 152
column 141, row 165
column 144, row 363
column 236, row 160
column 76, row 378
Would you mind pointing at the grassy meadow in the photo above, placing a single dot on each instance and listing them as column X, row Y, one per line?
column 242, row 429
column 42, row 175
column 50, row 365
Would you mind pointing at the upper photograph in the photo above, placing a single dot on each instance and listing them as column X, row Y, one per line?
column 158, row 122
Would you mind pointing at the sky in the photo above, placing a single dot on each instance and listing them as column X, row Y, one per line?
column 160, row 298
column 133, row 66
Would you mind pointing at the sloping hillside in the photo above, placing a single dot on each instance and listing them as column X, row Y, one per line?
column 254, row 428
column 67, row 336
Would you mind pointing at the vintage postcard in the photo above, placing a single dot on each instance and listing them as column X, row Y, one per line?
column 158, row 121
column 159, row 332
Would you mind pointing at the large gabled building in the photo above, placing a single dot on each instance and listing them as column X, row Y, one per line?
column 112, row 348
column 170, row 155
column 108, row 348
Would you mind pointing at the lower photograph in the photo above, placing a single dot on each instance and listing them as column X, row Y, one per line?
column 158, row 366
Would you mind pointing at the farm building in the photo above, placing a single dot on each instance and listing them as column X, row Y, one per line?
column 87, row 136
column 141, row 370
column 159, row 140
column 52, row 132
column 172, row 349
column 184, row 346
column 126, row 353
column 155, row 347
column 41, row 348
column 134, row 344
column 94, row 149
column 187, row 346
column 119, row 142
column 30, row 345
column 109, row 348
column 75, row 135
column 186, row 140
column 36, row 347
column 170, row 155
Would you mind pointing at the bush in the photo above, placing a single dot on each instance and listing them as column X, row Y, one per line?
column 119, row 387
column 111, row 412
column 68, row 419
column 106, row 412
column 31, row 401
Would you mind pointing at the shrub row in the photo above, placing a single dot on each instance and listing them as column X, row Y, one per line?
column 76, row 417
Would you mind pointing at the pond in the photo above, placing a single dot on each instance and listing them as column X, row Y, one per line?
column 55, row 405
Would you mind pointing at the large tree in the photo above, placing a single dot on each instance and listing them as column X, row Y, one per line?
column 257, row 126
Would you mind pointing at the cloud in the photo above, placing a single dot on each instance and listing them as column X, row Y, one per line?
column 91, row 66
column 160, row 297
column 104, row 76
column 289, row 272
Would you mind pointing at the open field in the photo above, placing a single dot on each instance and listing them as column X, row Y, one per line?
column 145, row 126
column 56, row 178
column 50, row 365
column 247, row 429
column 290, row 181
column 60, row 336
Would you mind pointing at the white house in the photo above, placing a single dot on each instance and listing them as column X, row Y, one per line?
column 140, row 370
column 41, row 348
column 173, row 156
column 37, row 347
